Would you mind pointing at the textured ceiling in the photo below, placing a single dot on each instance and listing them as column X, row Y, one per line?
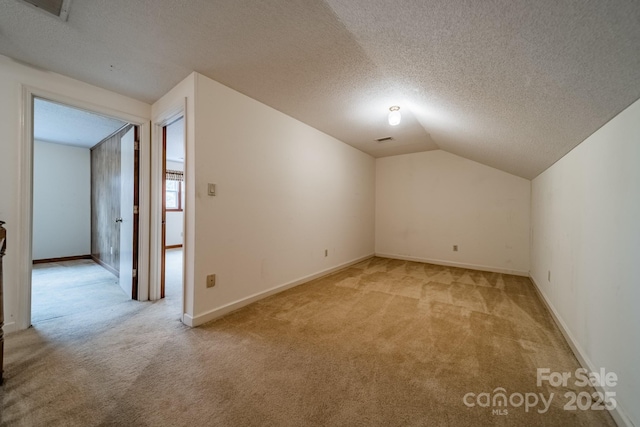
column 511, row 84
column 62, row 124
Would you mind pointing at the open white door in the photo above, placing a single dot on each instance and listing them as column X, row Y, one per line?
column 127, row 176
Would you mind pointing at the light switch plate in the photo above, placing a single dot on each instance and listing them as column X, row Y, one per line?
column 211, row 189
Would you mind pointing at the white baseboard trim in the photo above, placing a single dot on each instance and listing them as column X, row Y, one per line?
column 618, row 414
column 454, row 264
column 226, row 309
column 9, row 327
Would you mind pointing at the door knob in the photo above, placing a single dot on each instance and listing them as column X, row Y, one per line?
column 118, row 219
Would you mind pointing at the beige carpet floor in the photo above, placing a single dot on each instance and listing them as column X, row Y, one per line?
column 173, row 276
column 60, row 289
column 66, row 288
column 382, row 343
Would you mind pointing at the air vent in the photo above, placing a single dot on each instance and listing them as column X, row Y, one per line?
column 59, row 8
column 384, row 139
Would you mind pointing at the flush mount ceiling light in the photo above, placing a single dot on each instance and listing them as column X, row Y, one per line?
column 394, row 115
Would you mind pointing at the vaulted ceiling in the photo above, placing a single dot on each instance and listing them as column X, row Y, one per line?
column 511, row 84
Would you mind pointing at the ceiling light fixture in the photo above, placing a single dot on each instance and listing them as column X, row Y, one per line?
column 394, row 115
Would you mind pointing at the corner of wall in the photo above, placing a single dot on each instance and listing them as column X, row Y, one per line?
column 236, row 305
column 618, row 414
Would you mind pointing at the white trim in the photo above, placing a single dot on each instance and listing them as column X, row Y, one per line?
column 7, row 328
column 168, row 115
column 618, row 414
column 144, row 209
column 25, row 217
column 225, row 309
column 455, row 264
column 24, row 225
column 155, row 242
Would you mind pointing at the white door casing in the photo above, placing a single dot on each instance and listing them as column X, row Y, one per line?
column 23, row 225
column 126, row 212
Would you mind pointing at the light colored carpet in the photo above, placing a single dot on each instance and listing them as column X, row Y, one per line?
column 173, row 275
column 382, row 343
column 59, row 289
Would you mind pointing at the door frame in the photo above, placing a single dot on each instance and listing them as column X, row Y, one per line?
column 163, row 254
column 158, row 168
column 135, row 201
column 24, row 224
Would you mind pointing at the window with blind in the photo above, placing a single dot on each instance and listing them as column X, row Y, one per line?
column 173, row 193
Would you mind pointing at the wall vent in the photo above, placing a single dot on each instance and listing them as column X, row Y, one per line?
column 384, row 139
column 59, row 8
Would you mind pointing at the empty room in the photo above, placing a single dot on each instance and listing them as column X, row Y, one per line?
column 344, row 213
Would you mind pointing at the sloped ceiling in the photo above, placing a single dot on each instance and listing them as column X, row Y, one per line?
column 511, row 84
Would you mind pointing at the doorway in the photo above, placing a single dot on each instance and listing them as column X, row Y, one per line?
column 173, row 204
column 85, row 221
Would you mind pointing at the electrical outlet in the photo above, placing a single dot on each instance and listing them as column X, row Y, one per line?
column 455, row 248
column 211, row 280
column 326, row 252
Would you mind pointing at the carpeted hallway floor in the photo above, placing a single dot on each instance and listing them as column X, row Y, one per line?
column 384, row 342
column 60, row 289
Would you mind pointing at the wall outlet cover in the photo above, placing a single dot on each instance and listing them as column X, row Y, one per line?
column 211, row 280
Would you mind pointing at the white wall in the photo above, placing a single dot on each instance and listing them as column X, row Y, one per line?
column 12, row 78
column 285, row 193
column 61, row 201
column 175, row 219
column 586, row 232
column 427, row 202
